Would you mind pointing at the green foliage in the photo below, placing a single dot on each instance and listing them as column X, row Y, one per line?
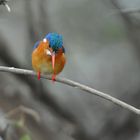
column 19, row 123
column 25, row 137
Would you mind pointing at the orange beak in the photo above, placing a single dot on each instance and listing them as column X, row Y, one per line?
column 53, row 60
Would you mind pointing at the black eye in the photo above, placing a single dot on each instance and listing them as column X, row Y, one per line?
column 55, row 50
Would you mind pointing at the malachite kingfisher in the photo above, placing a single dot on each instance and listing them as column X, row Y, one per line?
column 48, row 56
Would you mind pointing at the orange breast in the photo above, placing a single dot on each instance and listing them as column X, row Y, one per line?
column 43, row 62
column 60, row 61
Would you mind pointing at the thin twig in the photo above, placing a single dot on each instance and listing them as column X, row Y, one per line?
column 124, row 11
column 4, row 2
column 8, row 7
column 130, row 10
column 76, row 85
column 127, row 11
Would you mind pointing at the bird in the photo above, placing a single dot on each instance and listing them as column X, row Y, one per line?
column 48, row 56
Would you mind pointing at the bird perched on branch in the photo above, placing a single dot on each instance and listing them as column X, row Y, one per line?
column 48, row 56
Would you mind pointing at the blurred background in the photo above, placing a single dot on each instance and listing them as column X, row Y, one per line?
column 102, row 41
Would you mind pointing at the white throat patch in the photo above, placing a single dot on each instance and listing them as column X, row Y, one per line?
column 48, row 52
column 44, row 40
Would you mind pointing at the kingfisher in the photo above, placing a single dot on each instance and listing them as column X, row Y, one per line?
column 48, row 56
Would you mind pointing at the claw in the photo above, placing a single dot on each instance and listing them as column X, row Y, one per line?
column 53, row 77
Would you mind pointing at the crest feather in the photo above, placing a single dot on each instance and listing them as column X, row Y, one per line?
column 55, row 41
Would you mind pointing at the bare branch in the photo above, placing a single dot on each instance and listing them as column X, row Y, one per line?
column 130, row 10
column 4, row 2
column 125, row 11
column 76, row 85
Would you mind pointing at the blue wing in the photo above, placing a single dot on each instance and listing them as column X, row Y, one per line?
column 36, row 45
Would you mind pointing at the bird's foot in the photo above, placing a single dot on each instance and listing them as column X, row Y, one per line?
column 38, row 75
column 53, row 77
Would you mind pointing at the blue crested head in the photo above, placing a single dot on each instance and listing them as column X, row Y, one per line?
column 55, row 41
